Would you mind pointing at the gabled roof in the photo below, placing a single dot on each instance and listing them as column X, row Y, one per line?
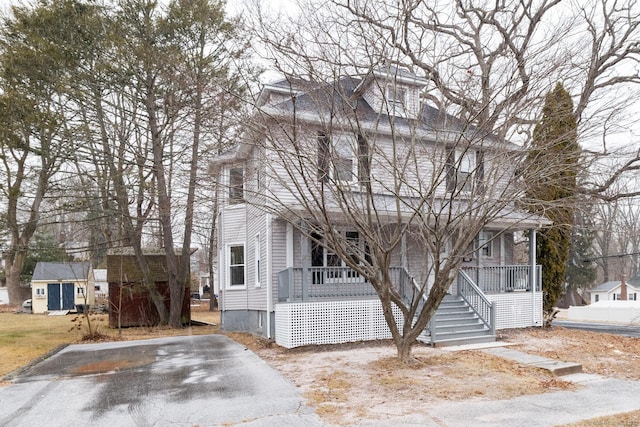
column 100, row 274
column 57, row 271
column 345, row 96
column 609, row 286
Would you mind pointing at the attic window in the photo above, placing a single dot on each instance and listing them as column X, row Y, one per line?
column 396, row 99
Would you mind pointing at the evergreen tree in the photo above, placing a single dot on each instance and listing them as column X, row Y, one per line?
column 580, row 272
column 550, row 175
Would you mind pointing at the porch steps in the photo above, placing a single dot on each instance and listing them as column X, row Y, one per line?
column 457, row 324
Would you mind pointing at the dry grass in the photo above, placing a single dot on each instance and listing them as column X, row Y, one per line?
column 629, row 419
column 353, row 383
column 25, row 338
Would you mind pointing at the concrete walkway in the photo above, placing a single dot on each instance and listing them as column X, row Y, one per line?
column 597, row 396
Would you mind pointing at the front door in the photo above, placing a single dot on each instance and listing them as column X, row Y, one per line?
column 333, row 268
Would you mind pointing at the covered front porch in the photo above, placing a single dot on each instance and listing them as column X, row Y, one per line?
column 313, row 284
column 319, row 300
column 330, row 305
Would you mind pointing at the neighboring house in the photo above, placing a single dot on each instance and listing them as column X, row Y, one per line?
column 61, row 286
column 276, row 282
column 98, row 280
column 571, row 298
column 615, row 290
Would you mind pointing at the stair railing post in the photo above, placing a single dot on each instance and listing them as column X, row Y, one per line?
column 492, row 310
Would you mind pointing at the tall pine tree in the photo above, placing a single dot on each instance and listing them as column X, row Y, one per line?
column 550, row 175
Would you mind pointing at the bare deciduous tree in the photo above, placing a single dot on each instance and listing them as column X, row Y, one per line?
column 489, row 66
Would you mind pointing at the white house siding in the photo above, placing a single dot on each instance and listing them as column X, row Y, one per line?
column 233, row 230
column 256, row 225
column 278, row 253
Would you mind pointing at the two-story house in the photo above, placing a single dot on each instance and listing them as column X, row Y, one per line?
column 327, row 152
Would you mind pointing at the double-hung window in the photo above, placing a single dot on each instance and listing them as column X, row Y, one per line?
column 236, row 265
column 343, row 158
column 396, row 100
column 485, row 242
column 236, row 185
column 465, row 170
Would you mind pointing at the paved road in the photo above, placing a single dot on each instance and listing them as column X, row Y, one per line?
column 610, row 328
column 180, row 381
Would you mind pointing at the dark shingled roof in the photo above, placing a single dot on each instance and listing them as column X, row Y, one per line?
column 341, row 96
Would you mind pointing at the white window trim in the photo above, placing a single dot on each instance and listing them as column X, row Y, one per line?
column 486, row 243
column 396, row 107
column 257, row 261
column 234, row 201
column 351, row 141
column 227, row 266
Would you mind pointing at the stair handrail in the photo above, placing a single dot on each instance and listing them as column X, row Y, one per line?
column 476, row 299
column 408, row 276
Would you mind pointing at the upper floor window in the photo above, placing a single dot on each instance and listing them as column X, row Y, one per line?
column 396, row 99
column 465, row 169
column 236, row 185
column 343, row 158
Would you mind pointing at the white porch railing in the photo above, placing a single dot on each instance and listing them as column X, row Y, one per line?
column 508, row 278
column 298, row 284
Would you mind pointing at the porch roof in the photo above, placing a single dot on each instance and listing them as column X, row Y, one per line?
column 508, row 218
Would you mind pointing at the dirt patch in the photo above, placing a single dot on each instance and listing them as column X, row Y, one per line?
column 360, row 382
column 113, row 365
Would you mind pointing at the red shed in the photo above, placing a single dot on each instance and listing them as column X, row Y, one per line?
column 129, row 299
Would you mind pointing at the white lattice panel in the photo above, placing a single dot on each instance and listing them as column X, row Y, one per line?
column 517, row 309
column 331, row 322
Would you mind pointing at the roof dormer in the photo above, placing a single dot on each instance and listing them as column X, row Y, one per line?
column 393, row 91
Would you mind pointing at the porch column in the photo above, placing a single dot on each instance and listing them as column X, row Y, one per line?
column 289, row 261
column 532, row 273
column 403, row 251
column 502, row 264
column 306, row 257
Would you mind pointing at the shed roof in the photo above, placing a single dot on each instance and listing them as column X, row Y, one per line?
column 61, row 271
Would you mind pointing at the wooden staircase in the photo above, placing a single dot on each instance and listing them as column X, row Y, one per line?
column 455, row 323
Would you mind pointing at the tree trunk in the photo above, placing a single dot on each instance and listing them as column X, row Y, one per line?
column 14, row 261
column 404, row 347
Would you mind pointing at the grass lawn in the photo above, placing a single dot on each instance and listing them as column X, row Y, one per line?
column 27, row 337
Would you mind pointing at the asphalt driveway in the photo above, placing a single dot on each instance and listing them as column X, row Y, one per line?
column 180, row 381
